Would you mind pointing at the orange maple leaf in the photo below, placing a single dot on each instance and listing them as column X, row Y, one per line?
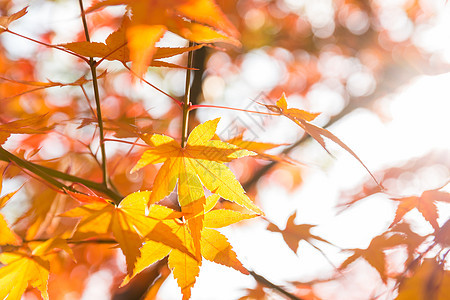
column 116, row 48
column 425, row 204
column 200, row 21
column 374, row 253
column 31, row 125
column 429, row 281
column 303, row 118
column 293, row 233
column 6, row 20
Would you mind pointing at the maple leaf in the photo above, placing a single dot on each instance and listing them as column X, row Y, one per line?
column 374, row 254
column 6, row 20
column 195, row 20
column 293, row 233
column 214, row 246
column 442, row 236
column 21, row 270
column 7, row 236
column 116, row 48
column 44, row 85
column 429, row 281
column 31, row 125
column 128, row 224
column 303, row 118
column 258, row 147
column 425, row 204
column 412, row 239
column 256, row 293
column 199, row 163
column 42, row 209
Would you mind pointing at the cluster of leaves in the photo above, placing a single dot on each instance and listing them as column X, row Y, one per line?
column 146, row 225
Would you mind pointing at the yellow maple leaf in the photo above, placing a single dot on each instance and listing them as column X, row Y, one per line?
column 200, row 163
column 29, row 266
column 214, row 247
column 7, row 236
column 128, row 224
column 259, row 148
column 20, row 271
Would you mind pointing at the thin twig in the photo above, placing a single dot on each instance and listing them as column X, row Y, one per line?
column 47, row 45
column 197, row 106
column 187, row 98
column 156, row 88
column 92, row 65
column 88, row 101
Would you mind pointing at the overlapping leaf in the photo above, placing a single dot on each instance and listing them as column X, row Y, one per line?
column 429, row 281
column 200, row 163
column 116, row 48
column 32, row 125
column 200, row 21
column 374, row 254
column 259, row 148
column 20, row 271
column 23, row 268
column 128, row 224
column 7, row 236
column 303, row 118
column 214, row 246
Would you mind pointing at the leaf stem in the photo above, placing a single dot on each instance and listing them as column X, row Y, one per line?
column 46, row 45
column 197, row 106
column 156, row 88
column 92, row 65
column 187, row 98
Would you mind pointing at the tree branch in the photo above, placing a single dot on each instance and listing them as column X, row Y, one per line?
column 49, row 175
column 273, row 286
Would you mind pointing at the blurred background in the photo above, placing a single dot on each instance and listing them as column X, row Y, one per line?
column 377, row 71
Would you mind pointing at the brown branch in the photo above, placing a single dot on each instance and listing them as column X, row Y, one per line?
column 273, row 286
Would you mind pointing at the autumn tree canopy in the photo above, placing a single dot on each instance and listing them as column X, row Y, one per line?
column 150, row 148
